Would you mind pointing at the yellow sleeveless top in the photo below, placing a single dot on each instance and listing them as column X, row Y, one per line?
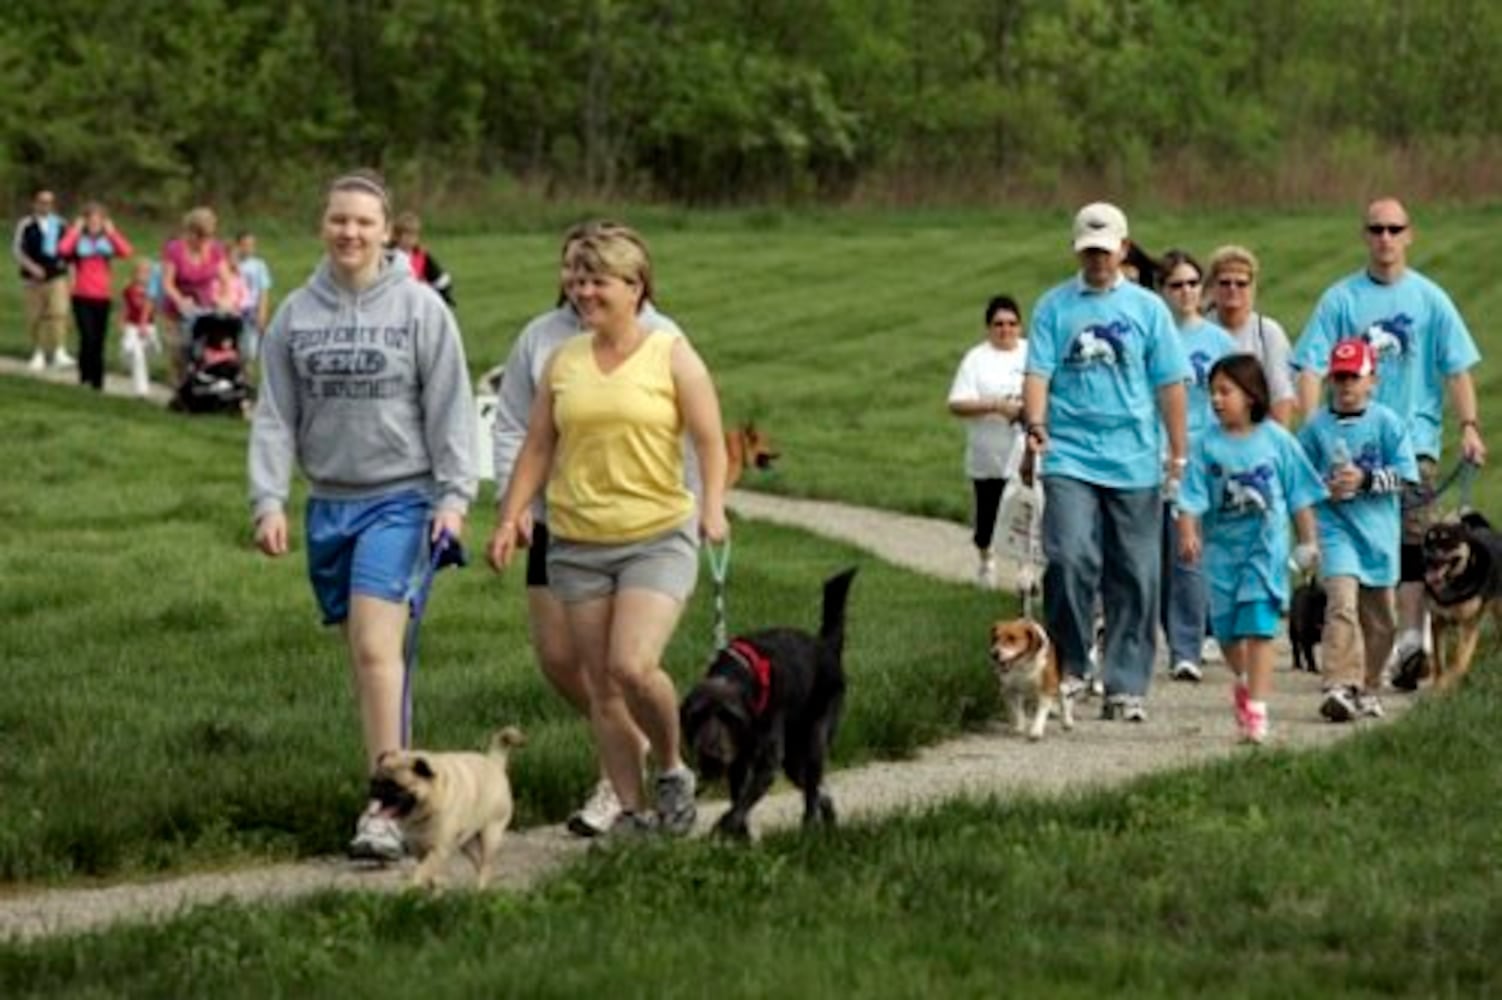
column 618, row 469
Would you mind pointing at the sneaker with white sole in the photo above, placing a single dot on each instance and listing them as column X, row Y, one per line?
column 1186, row 670
column 598, row 812
column 62, row 359
column 38, row 361
column 377, row 838
column 1072, row 688
column 1126, row 707
column 1254, row 723
column 630, row 827
column 675, row 801
column 1339, row 704
column 985, row 573
column 1369, row 706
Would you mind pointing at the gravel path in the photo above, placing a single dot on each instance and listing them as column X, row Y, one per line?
column 1189, row 724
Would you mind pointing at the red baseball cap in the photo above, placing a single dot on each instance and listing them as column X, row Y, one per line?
column 1352, row 357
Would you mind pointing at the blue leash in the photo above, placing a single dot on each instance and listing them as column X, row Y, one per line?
column 447, row 551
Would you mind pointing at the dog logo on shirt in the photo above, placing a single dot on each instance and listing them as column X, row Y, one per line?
column 1201, row 363
column 1390, row 338
column 1248, row 492
column 1100, row 344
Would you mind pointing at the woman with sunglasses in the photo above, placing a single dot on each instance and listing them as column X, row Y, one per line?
column 1232, row 282
column 1184, row 602
column 987, row 395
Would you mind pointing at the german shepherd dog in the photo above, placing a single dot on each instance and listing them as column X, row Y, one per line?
column 1462, row 582
column 772, row 698
column 746, row 447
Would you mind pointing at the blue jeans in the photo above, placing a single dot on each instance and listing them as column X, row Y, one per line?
column 1107, row 543
column 1184, row 599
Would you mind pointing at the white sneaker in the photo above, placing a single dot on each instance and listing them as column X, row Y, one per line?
column 62, row 359
column 38, row 361
column 1186, row 670
column 377, row 838
column 985, row 574
column 598, row 813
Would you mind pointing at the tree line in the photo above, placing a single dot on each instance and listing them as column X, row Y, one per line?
column 248, row 102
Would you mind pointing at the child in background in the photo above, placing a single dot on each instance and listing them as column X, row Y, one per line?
column 1245, row 477
column 1368, row 457
column 256, row 310
column 406, row 236
column 138, row 335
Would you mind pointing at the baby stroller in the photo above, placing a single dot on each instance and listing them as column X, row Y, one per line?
column 215, row 379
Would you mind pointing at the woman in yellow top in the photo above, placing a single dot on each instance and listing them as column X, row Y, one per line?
column 606, row 432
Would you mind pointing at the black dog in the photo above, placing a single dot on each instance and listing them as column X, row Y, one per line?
column 1306, row 624
column 772, row 698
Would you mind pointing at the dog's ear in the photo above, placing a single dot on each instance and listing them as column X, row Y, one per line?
column 1037, row 635
column 422, row 768
column 1475, row 520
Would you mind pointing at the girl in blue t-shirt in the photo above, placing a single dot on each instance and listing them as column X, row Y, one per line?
column 1245, row 477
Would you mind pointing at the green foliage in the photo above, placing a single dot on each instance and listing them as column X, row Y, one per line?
column 158, row 101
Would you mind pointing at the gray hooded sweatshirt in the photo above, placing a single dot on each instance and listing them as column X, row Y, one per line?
column 369, row 391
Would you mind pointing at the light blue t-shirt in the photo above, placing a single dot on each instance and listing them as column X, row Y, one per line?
column 1416, row 333
column 1104, row 353
column 1244, row 489
column 1204, row 344
column 257, row 278
column 1360, row 537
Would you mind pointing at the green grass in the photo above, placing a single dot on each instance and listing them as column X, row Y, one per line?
column 172, row 701
column 1367, row 869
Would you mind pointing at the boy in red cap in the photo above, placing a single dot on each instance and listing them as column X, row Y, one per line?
column 1364, row 451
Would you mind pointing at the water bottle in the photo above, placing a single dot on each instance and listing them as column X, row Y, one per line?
column 1340, row 454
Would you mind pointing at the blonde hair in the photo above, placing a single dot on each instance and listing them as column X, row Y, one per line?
column 615, row 250
column 201, row 221
column 407, row 222
column 1232, row 255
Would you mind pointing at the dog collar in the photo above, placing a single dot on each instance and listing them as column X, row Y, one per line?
column 760, row 669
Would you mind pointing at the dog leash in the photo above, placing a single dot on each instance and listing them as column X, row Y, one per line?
column 719, row 570
column 447, row 551
column 1462, row 476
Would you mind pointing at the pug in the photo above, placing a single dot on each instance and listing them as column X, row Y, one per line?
column 449, row 802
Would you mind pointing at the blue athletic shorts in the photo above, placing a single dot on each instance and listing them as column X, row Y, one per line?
column 1248, row 620
column 374, row 546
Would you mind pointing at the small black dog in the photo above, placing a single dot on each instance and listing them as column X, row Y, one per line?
column 1306, row 623
column 772, row 698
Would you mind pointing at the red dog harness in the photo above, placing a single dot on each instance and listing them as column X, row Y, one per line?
column 760, row 669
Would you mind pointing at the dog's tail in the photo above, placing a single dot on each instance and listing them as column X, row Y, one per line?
column 507, row 739
column 836, row 595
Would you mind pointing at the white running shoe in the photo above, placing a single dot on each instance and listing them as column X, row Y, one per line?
column 62, row 359
column 377, row 838
column 38, row 361
column 985, row 574
column 598, row 813
column 1187, row 670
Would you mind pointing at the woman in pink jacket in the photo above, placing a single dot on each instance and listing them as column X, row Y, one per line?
column 89, row 245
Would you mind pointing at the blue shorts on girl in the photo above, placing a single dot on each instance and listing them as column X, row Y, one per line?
column 375, row 546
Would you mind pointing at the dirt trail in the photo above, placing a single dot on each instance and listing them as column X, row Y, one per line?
column 1189, row 724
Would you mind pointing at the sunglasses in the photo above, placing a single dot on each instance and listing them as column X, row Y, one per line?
column 1174, row 286
column 1234, row 282
column 1378, row 229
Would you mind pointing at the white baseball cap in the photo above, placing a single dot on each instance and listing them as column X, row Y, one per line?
column 1099, row 226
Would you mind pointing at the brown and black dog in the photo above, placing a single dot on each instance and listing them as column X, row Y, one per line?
column 746, row 447
column 1462, row 582
column 1027, row 668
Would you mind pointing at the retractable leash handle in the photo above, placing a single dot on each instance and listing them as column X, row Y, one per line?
column 719, row 571
column 447, row 551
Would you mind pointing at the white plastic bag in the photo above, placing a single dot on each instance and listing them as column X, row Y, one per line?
column 1019, row 523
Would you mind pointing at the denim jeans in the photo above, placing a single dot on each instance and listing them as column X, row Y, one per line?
column 1185, row 600
column 1106, row 543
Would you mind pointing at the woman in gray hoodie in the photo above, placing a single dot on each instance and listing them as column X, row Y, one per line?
column 364, row 384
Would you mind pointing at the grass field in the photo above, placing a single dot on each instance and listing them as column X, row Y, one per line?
column 842, row 331
column 1369, row 869
column 172, row 704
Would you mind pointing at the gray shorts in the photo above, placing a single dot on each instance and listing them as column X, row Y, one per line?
column 667, row 563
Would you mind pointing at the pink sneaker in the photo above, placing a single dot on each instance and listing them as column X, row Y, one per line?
column 1241, row 698
column 1254, row 725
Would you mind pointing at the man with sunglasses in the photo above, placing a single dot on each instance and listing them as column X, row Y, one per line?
column 1423, row 348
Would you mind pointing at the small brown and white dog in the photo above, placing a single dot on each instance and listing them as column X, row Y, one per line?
column 449, row 802
column 746, row 447
column 1027, row 669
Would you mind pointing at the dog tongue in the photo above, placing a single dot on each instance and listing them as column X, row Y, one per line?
column 388, row 812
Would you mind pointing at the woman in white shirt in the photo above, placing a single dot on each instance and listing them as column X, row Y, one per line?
column 987, row 395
